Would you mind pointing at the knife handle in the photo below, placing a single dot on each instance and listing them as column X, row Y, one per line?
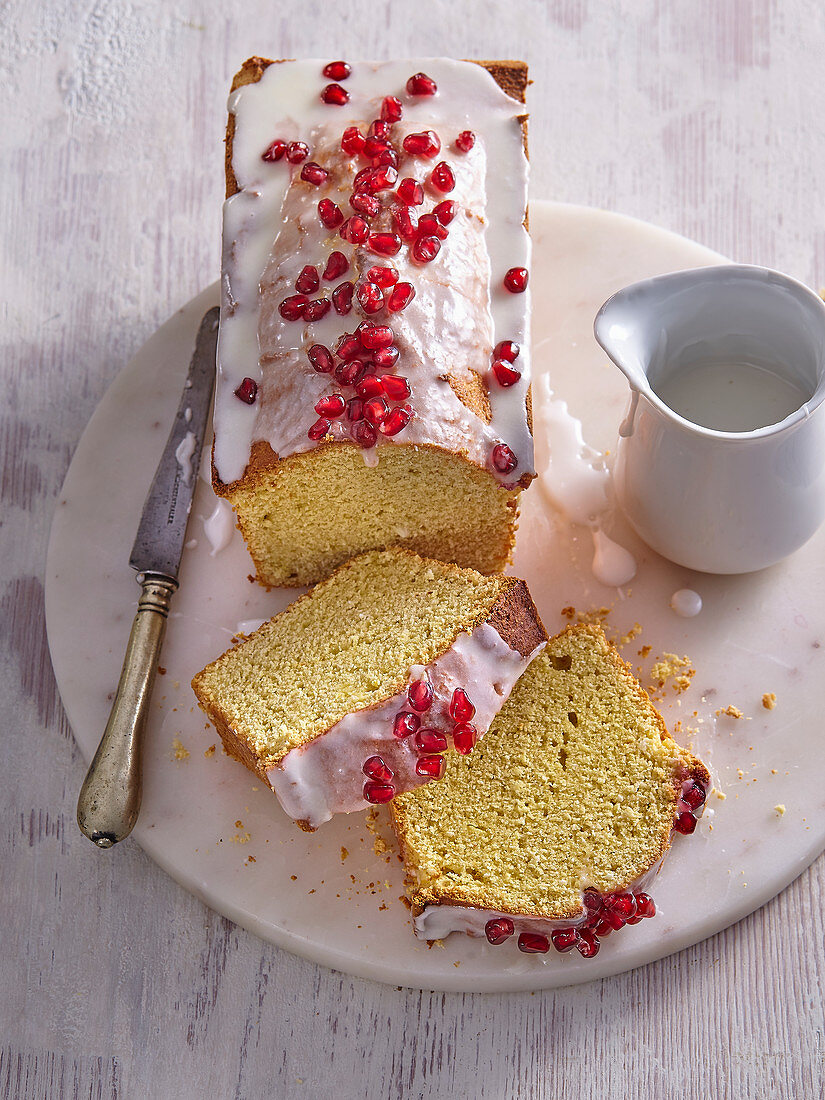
column 109, row 801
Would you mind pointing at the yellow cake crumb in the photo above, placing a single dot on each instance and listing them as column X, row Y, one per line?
column 769, row 700
column 780, row 810
column 344, row 853
column 672, row 667
column 731, row 711
column 179, row 751
column 210, row 751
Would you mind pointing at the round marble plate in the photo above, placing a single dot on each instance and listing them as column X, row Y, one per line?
column 333, row 896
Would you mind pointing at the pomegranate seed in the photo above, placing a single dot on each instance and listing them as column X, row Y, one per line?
column 593, row 901
column 314, row 173
column 634, row 920
column 391, row 109
column 622, row 904
column 614, row 920
column 445, row 211
column 588, row 945
column 374, row 147
column 420, row 695
column 431, row 766
column 380, row 178
column 379, row 129
column 342, row 298
column 499, row 929
column 375, row 336
column 405, row 723
column 375, row 768
column 532, row 944
column 465, row 736
column 337, row 264
column 370, row 298
column 347, row 346
column 297, row 151
column 694, row 796
column 317, row 309
column 365, row 204
column 410, row 192
column 383, row 276
column 384, row 358
column 400, row 297
column 364, row 434
column 685, row 823
column 461, row 709
column 387, row 155
column 378, row 792
column 425, row 144
column 375, row 410
column 292, row 308
column 564, row 939
column 274, row 151
column 355, row 230
column 384, row 244
column 247, row 391
column 352, row 141
column 430, row 226
column 350, row 373
column 355, row 408
column 503, row 458
column 506, row 350
column 430, row 740
column 442, row 177
column 369, row 387
column 398, row 419
column 516, row 280
column 331, row 407
column 465, row 141
column 505, row 374
column 395, row 386
column 426, row 249
column 335, row 95
column 330, row 214
column 421, row 84
column 336, row 70
column 403, row 224
column 319, row 429
column 307, row 281
column 321, row 359
column 645, row 906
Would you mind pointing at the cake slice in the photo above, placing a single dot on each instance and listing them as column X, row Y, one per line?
column 352, row 694
column 373, row 364
column 554, row 826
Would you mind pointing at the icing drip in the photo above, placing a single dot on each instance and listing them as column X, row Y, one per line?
column 325, row 776
column 461, row 310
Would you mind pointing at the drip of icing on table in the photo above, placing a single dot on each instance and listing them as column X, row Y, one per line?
column 575, row 481
column 219, row 526
column 686, row 603
column 730, row 396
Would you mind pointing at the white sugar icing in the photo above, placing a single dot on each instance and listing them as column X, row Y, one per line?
column 686, row 603
column 219, row 526
column 325, row 776
column 461, row 309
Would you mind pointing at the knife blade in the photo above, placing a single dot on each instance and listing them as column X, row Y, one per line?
column 110, row 797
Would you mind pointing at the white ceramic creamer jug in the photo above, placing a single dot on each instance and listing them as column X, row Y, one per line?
column 720, row 465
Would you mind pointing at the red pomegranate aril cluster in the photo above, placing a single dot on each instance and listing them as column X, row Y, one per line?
column 365, row 204
column 425, row 143
column 335, row 95
column 507, row 350
column 506, row 375
column 503, row 459
column 354, row 230
column 274, row 152
column 426, row 249
column 247, row 391
column 342, row 298
column 430, row 226
column 421, row 84
column 383, row 276
column 352, row 141
column 391, row 109
column 331, row 406
column 330, row 214
column 297, row 151
column 403, row 224
column 321, row 359
column 442, row 177
column 384, row 244
column 461, row 709
column 410, row 192
column 445, row 211
column 691, row 799
column 515, row 280
column 337, row 265
column 604, row 914
column 375, row 769
column 308, row 281
column 336, row 70
column 400, row 297
column 369, row 296
column 465, row 141
column 319, row 429
column 317, row 309
column 433, row 767
column 292, row 308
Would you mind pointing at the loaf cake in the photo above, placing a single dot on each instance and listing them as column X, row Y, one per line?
column 352, row 694
column 373, row 363
column 552, row 829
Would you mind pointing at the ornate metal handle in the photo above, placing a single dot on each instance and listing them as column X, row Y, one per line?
column 109, row 801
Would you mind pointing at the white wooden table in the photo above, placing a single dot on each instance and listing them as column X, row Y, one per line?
column 704, row 117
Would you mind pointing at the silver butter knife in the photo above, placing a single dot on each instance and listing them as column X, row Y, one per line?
column 109, row 801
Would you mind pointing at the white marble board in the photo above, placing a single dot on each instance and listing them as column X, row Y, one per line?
column 220, row 834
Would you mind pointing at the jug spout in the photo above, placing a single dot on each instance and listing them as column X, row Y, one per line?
column 622, row 330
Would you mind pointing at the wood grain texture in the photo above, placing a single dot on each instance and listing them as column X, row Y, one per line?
column 705, row 118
